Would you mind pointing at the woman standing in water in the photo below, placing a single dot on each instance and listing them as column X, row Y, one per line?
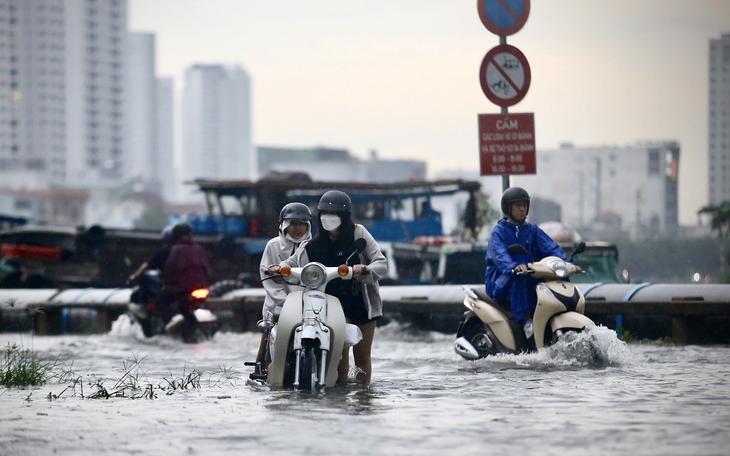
column 295, row 227
column 360, row 298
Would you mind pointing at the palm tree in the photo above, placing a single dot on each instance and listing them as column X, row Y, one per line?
column 720, row 221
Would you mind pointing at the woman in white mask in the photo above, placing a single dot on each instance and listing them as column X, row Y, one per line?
column 295, row 227
column 360, row 298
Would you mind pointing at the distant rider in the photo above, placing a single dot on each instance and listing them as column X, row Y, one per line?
column 295, row 227
column 150, row 287
column 185, row 270
column 501, row 284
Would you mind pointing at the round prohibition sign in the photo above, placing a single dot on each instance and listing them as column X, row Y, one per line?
column 503, row 17
column 505, row 75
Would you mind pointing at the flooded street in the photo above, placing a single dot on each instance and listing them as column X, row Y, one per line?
column 424, row 399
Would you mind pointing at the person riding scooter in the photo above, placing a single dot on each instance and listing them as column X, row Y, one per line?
column 149, row 286
column 295, row 227
column 506, row 278
column 185, row 270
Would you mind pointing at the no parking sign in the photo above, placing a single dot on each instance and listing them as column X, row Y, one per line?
column 503, row 17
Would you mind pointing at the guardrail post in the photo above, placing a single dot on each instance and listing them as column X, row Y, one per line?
column 103, row 322
column 679, row 329
column 42, row 323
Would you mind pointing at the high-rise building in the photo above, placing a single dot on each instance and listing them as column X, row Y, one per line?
column 61, row 70
column 632, row 189
column 719, row 125
column 95, row 71
column 32, row 83
column 61, row 75
column 141, row 158
column 216, row 122
column 167, row 174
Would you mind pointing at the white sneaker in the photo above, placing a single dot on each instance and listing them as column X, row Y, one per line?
column 174, row 323
column 528, row 328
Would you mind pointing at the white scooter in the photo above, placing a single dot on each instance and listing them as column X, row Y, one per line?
column 306, row 342
column 489, row 328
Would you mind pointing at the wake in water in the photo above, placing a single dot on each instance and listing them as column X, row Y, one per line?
column 595, row 347
column 124, row 326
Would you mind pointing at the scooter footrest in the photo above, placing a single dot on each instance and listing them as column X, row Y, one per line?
column 257, row 377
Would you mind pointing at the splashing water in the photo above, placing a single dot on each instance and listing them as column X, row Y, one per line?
column 124, row 326
column 596, row 346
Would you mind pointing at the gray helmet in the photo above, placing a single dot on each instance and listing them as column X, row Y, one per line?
column 167, row 233
column 336, row 201
column 295, row 211
column 511, row 195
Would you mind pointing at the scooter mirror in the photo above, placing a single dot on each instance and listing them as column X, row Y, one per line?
column 579, row 248
column 265, row 326
column 360, row 244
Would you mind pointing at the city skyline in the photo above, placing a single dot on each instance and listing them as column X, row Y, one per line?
column 402, row 77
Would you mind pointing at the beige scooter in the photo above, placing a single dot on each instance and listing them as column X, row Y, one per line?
column 489, row 328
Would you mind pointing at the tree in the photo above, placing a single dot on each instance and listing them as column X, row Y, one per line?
column 720, row 221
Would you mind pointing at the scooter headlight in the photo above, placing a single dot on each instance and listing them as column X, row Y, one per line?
column 313, row 275
column 559, row 268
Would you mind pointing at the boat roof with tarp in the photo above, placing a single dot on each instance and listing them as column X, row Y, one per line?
column 297, row 185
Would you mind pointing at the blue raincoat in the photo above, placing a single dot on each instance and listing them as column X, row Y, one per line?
column 500, row 284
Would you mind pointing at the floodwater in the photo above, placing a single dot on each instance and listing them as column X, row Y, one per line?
column 424, row 400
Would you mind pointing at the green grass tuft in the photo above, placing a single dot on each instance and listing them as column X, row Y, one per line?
column 20, row 367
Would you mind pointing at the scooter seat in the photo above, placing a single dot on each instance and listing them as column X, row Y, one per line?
column 504, row 307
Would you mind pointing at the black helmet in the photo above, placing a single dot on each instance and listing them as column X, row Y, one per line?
column 336, row 201
column 181, row 229
column 295, row 211
column 511, row 195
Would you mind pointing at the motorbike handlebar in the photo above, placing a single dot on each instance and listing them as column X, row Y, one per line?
column 516, row 272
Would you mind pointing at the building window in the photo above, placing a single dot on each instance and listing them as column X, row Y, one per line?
column 654, row 162
column 22, row 205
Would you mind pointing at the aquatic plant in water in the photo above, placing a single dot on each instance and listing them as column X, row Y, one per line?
column 21, row 367
column 133, row 382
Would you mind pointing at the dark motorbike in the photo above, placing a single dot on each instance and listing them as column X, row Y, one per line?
column 180, row 315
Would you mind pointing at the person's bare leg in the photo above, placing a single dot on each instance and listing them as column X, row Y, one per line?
column 361, row 352
column 343, row 369
column 260, row 355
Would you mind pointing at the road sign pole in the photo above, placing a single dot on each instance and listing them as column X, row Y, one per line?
column 505, row 178
column 499, row 81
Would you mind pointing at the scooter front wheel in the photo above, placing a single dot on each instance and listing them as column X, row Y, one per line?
column 481, row 338
column 308, row 370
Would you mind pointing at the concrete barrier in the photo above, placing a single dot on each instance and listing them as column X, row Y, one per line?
column 691, row 313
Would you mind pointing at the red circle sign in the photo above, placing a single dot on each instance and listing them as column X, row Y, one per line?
column 505, row 75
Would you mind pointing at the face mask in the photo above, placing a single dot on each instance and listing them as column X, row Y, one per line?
column 330, row 222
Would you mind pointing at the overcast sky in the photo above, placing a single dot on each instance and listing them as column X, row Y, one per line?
column 402, row 76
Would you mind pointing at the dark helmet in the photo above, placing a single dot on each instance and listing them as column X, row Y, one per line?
column 181, row 229
column 513, row 194
column 295, row 211
column 336, row 201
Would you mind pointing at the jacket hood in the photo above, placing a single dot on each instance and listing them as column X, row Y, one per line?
column 506, row 224
column 285, row 244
